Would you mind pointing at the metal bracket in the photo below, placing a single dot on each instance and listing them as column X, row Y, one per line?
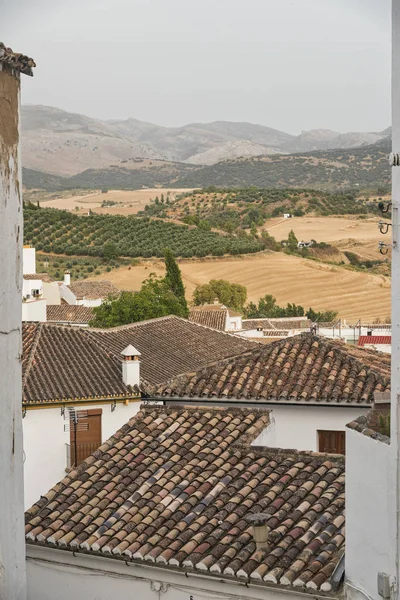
column 384, row 248
column 24, row 412
column 394, row 159
column 113, row 406
column 384, row 227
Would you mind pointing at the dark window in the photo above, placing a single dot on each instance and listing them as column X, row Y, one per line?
column 332, row 442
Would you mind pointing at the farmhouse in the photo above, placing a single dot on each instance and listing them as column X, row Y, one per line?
column 86, row 292
column 73, row 373
column 313, row 386
column 217, row 315
column 185, row 502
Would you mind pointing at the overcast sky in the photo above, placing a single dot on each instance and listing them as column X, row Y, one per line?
column 287, row 64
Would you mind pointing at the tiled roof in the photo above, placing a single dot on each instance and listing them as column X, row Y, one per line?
column 278, row 323
column 61, row 364
column 176, row 487
column 374, row 339
column 216, row 319
column 69, row 313
column 377, row 361
column 171, row 345
column 41, row 276
column 20, row 62
column 93, row 289
column 370, row 424
column 303, row 369
column 64, row 363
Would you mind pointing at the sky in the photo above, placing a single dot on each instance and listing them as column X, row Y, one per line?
column 288, row 64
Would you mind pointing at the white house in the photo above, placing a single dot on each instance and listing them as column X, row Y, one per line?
column 216, row 315
column 274, row 328
column 86, row 292
column 185, row 503
column 84, row 370
column 313, row 387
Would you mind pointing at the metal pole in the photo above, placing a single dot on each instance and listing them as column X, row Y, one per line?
column 395, row 373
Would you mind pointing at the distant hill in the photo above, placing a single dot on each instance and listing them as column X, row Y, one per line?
column 63, row 143
column 364, row 167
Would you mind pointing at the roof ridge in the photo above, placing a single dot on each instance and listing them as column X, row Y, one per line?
column 38, row 333
column 135, row 324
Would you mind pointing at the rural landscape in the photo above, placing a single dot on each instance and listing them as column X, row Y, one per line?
column 223, row 219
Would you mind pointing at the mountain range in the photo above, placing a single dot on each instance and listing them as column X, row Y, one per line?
column 66, row 144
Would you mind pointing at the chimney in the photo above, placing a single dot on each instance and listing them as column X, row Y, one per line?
column 131, row 366
column 216, row 301
column 67, row 278
column 260, row 529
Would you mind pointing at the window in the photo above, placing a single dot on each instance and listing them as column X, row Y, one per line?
column 86, row 426
column 332, row 442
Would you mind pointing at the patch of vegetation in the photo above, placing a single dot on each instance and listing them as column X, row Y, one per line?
column 267, row 307
column 61, row 232
column 232, row 295
column 158, row 297
column 80, row 267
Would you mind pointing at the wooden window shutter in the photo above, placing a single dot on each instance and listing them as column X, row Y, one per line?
column 332, row 442
column 88, row 434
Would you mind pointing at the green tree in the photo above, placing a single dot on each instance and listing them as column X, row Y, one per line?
column 110, row 251
column 232, row 295
column 155, row 299
column 173, row 278
column 292, row 241
column 327, row 316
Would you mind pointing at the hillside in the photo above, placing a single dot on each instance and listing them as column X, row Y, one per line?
column 63, row 143
column 362, row 167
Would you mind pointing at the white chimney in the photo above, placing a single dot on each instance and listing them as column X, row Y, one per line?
column 67, row 278
column 131, row 366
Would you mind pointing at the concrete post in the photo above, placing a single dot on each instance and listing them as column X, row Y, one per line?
column 12, row 545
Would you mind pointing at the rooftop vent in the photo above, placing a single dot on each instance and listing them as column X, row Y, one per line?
column 260, row 529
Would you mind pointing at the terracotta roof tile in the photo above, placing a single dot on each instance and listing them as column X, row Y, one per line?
column 64, row 364
column 277, row 323
column 93, row 289
column 41, row 276
column 69, row 313
column 216, row 319
column 17, row 61
column 374, row 339
column 203, row 525
column 301, row 369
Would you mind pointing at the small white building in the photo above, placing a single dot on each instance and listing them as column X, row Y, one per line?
column 86, row 292
column 217, row 316
column 312, row 386
column 274, row 328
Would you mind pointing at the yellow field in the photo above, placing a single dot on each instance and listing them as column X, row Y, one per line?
column 289, row 278
column 346, row 233
column 129, row 202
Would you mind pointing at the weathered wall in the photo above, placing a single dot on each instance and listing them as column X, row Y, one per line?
column 12, row 564
column 296, row 426
column 370, row 514
column 34, row 311
column 45, row 442
column 94, row 578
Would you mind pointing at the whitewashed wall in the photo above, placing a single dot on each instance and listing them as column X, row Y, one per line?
column 370, row 514
column 95, row 578
column 45, row 442
column 234, row 323
column 296, row 426
column 89, row 303
column 51, row 292
column 34, row 311
column 29, row 261
column 31, row 284
column 67, row 294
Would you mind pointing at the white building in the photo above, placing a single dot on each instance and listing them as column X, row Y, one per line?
column 83, row 369
column 12, row 554
column 312, row 386
column 187, row 503
column 267, row 329
column 218, row 316
column 86, row 292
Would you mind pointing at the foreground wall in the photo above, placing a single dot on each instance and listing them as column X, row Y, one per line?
column 95, row 578
column 370, row 514
column 46, row 435
column 12, row 562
